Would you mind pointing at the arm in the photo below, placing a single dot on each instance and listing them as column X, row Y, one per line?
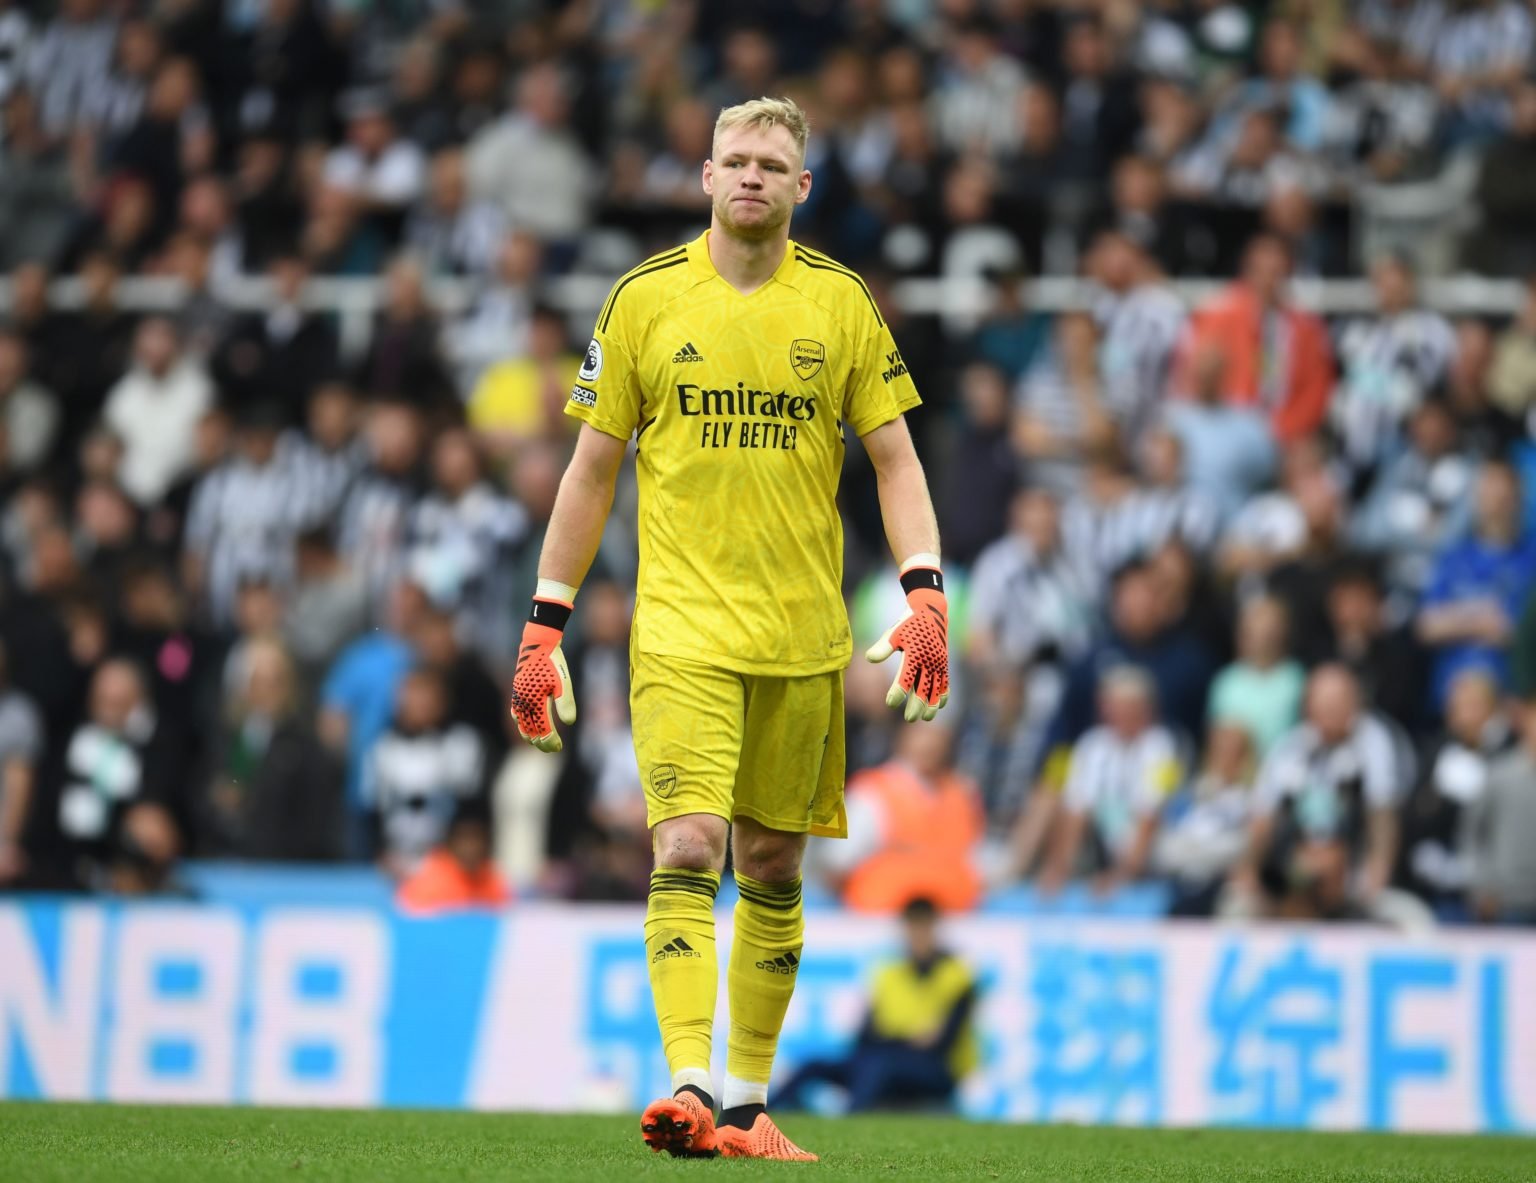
column 581, row 507
column 16, row 797
column 921, row 685
column 905, row 506
column 1381, row 838
column 1066, row 840
column 570, row 544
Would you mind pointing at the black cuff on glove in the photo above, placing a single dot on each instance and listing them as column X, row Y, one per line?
column 922, row 577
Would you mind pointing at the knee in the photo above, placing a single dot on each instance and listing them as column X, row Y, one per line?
column 692, row 843
column 768, row 855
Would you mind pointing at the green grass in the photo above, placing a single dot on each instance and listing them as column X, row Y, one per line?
column 83, row 1143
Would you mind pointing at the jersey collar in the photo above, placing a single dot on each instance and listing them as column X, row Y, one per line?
column 703, row 266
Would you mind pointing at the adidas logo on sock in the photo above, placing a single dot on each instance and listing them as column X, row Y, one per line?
column 676, row 947
column 785, row 963
column 687, row 353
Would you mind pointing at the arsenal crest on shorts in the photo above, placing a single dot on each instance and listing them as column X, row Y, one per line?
column 807, row 356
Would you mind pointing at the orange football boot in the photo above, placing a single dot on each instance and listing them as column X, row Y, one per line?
column 763, row 1140
column 682, row 1125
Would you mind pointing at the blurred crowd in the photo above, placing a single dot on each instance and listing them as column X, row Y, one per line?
column 1242, row 597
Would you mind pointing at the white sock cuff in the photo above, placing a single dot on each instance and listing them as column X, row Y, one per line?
column 697, row 1077
column 743, row 1092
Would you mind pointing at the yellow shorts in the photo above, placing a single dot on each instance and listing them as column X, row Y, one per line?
column 713, row 741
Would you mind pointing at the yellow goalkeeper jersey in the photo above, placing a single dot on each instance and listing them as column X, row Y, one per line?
column 740, row 404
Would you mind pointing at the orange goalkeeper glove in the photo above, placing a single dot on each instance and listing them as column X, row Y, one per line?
column 922, row 638
column 542, row 676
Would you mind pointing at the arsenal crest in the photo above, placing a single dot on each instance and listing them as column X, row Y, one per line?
column 807, row 356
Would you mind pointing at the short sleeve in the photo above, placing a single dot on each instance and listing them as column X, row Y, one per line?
column 607, row 391
column 1079, row 794
column 1162, row 773
column 879, row 386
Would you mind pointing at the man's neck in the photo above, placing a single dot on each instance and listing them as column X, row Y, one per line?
column 743, row 263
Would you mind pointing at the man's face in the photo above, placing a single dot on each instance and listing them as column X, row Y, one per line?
column 754, row 180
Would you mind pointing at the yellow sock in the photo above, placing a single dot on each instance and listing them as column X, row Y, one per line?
column 765, row 958
column 680, row 949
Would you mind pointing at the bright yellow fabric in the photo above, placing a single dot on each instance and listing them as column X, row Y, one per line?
column 509, row 396
column 765, row 961
column 740, row 404
column 680, row 955
column 710, row 740
column 911, row 1006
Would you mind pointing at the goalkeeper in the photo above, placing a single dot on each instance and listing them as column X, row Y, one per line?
column 737, row 362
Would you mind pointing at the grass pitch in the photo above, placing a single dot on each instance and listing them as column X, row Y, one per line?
column 134, row 1144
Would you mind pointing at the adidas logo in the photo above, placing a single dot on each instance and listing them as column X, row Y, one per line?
column 785, row 963
column 676, row 947
column 687, row 353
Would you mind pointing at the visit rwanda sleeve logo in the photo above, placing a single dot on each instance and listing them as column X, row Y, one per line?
column 807, row 357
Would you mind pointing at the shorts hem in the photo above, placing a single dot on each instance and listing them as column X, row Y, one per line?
column 654, row 817
column 801, row 826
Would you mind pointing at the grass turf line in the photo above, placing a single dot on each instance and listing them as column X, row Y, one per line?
column 142, row 1144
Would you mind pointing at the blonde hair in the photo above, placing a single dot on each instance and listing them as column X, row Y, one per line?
column 763, row 114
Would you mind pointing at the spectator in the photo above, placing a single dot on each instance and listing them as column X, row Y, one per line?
column 1503, row 828
column 978, row 91
column 80, row 355
column 244, row 516
column 325, row 458
column 522, row 398
column 458, row 874
column 35, row 189
column 328, row 607
column 104, row 765
column 1505, row 240
column 70, row 57
column 530, row 164
column 1421, row 502
column 1436, row 862
column 973, row 501
column 916, row 1042
column 1381, row 125
column 273, row 792
column 1121, row 773
column 380, row 172
column 1389, row 363
column 1144, row 631
column 374, row 520
column 915, row 828
column 496, row 326
column 404, row 358
column 1140, row 322
column 1228, row 451
column 1277, row 355
column 29, row 413
column 1260, row 691
column 1324, row 838
column 417, row 773
column 1204, row 829
column 1061, row 416
column 448, row 232
column 460, row 540
column 357, row 698
column 284, row 352
column 1479, row 586
column 154, row 410
column 1283, row 86
column 1485, row 430
column 21, row 747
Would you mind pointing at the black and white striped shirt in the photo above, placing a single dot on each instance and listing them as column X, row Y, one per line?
column 1031, row 608
column 465, row 549
column 414, row 782
column 1139, row 332
column 243, row 519
column 1387, row 365
column 374, row 528
column 321, row 478
column 1101, row 539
